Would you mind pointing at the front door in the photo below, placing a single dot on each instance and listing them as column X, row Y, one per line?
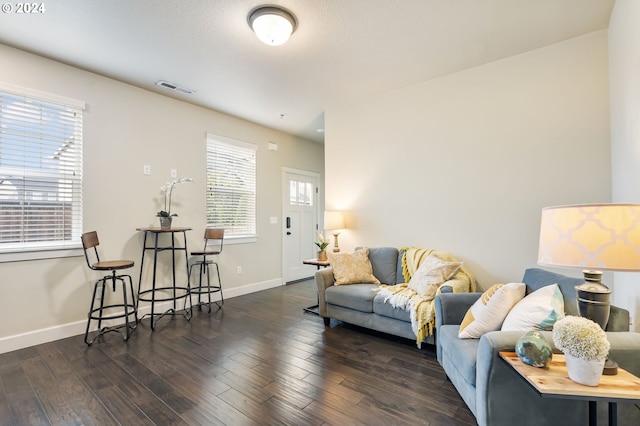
column 300, row 222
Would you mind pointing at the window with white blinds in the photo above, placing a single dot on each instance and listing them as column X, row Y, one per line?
column 40, row 171
column 231, row 186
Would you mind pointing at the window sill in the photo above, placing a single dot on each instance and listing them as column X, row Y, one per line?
column 40, row 254
column 240, row 240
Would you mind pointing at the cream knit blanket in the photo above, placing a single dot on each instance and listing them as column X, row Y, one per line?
column 422, row 309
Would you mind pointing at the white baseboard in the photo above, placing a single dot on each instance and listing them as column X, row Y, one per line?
column 37, row 337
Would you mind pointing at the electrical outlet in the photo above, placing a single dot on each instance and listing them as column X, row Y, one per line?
column 174, row 173
column 99, row 293
column 146, row 169
column 239, row 270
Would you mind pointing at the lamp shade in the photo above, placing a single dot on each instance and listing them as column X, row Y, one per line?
column 333, row 220
column 591, row 236
column 272, row 25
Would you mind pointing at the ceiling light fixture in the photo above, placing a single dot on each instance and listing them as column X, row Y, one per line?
column 273, row 25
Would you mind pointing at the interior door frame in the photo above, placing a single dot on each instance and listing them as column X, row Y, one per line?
column 318, row 199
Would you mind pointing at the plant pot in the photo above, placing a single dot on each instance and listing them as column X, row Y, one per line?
column 584, row 371
column 322, row 255
column 165, row 222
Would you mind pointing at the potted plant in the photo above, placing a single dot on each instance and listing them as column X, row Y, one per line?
column 322, row 244
column 585, row 348
column 165, row 215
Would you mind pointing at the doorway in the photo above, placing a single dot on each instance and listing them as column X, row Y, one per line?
column 300, row 212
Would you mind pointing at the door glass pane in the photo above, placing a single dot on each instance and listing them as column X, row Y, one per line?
column 293, row 193
column 308, row 201
column 300, row 193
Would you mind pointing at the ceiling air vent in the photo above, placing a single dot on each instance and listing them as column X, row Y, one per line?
column 175, row 87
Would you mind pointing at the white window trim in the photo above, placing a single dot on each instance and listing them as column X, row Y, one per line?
column 238, row 239
column 39, row 254
column 49, row 250
column 42, row 96
column 232, row 239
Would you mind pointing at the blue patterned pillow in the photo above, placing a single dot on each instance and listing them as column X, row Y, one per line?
column 537, row 311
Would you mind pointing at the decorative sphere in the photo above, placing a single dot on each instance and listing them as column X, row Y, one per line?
column 533, row 349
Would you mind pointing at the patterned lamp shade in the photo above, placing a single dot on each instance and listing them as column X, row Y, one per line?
column 591, row 236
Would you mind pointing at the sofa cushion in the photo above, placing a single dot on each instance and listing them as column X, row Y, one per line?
column 352, row 268
column 358, row 297
column 536, row 278
column 431, row 273
column 490, row 310
column 462, row 353
column 385, row 309
column 537, row 311
column 384, row 262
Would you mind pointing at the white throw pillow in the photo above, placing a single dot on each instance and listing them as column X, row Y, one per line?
column 490, row 310
column 537, row 311
column 431, row 273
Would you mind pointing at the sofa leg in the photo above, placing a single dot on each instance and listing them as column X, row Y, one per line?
column 326, row 320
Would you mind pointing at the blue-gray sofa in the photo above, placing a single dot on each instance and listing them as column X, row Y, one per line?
column 493, row 391
column 360, row 305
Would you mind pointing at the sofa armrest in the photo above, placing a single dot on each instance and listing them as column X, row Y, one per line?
column 455, row 285
column 619, row 319
column 324, row 279
column 451, row 307
column 496, row 382
column 625, row 347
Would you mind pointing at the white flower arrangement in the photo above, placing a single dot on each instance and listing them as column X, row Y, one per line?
column 322, row 243
column 581, row 338
column 167, row 190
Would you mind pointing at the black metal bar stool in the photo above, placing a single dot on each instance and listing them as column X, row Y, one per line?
column 111, row 311
column 213, row 241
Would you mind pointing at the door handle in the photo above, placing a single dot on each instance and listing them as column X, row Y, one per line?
column 288, row 222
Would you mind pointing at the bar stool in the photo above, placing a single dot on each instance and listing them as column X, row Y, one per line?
column 110, row 311
column 213, row 241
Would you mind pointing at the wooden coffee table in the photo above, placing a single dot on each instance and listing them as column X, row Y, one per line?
column 552, row 381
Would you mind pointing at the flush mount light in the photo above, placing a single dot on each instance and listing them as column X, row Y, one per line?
column 273, row 25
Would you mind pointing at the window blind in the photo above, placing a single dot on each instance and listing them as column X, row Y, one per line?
column 40, row 171
column 231, row 186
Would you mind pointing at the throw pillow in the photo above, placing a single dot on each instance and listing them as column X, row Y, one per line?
column 490, row 310
column 432, row 272
column 352, row 268
column 537, row 311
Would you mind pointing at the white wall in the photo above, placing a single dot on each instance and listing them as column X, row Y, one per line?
column 126, row 128
column 624, row 80
column 465, row 163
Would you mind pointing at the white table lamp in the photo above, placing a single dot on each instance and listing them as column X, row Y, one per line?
column 334, row 221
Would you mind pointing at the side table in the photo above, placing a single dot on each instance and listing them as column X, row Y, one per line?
column 152, row 295
column 313, row 309
column 552, row 381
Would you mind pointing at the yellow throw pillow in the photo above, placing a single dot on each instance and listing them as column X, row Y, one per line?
column 432, row 273
column 352, row 268
column 490, row 310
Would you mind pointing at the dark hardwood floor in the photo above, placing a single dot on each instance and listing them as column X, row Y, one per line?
column 258, row 361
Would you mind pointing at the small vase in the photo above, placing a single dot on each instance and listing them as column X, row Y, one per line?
column 533, row 349
column 165, row 222
column 584, row 371
column 322, row 255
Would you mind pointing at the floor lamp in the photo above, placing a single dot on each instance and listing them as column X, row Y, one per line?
column 595, row 238
column 334, row 221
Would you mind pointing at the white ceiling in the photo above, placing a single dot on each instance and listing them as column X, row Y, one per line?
column 342, row 49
